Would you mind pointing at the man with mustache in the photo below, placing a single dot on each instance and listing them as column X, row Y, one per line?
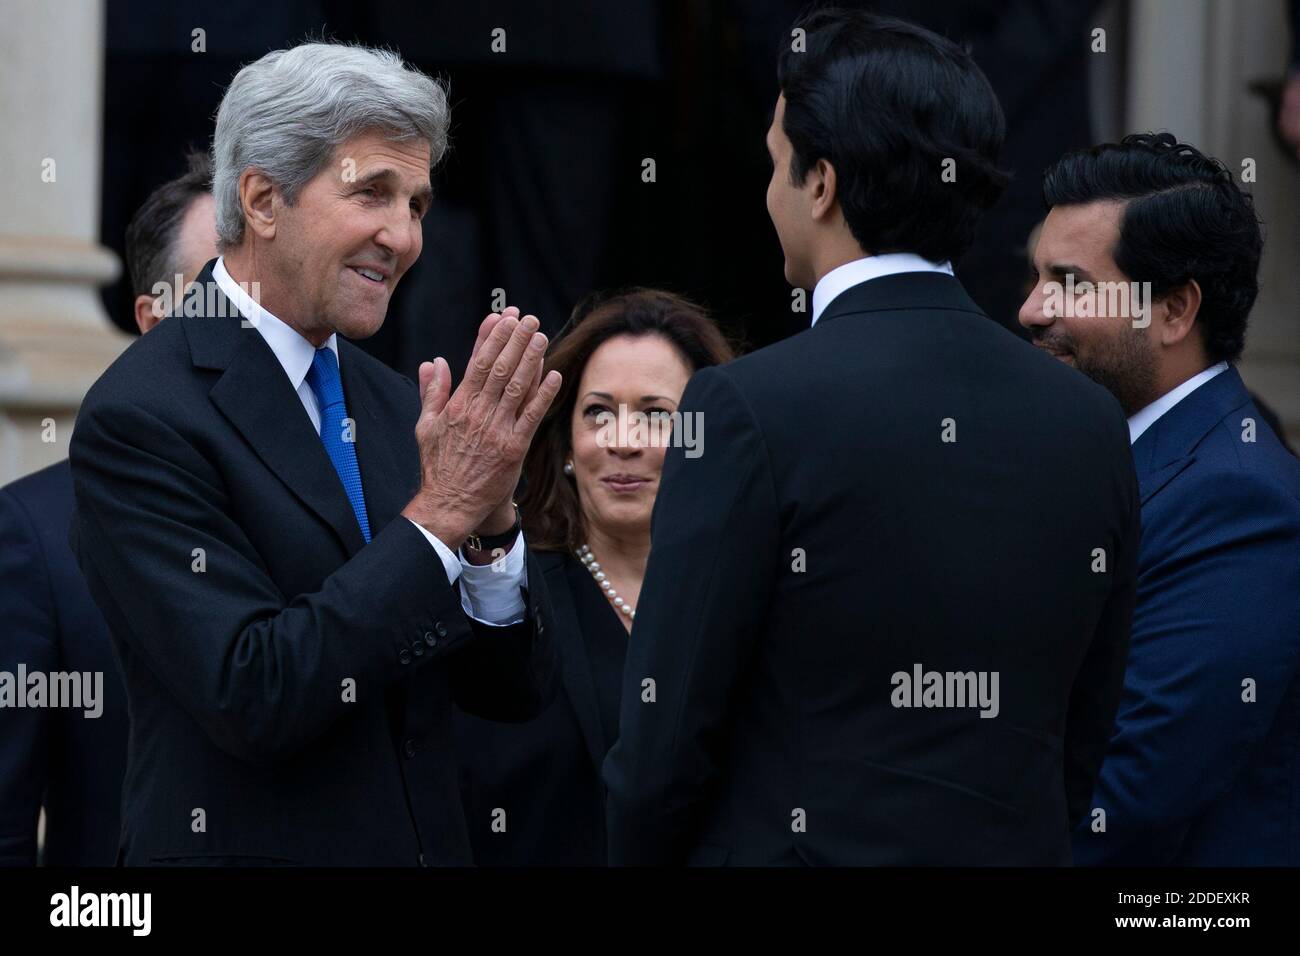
column 1205, row 761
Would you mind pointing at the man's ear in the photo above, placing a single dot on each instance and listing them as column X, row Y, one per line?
column 822, row 185
column 145, row 319
column 1182, row 305
column 257, row 199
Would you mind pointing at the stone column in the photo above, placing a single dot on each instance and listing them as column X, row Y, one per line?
column 55, row 338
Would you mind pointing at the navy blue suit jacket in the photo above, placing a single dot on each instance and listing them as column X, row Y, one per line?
column 1195, row 773
column 60, row 758
column 290, row 684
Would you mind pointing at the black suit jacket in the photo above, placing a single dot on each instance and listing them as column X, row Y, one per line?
column 290, row 689
column 769, row 733
column 57, row 758
column 545, row 774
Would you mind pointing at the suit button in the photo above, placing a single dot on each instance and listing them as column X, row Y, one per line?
column 404, row 656
column 430, row 639
column 408, row 748
column 417, row 648
column 441, row 629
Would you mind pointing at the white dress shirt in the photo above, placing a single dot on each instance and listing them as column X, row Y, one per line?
column 845, row 277
column 1148, row 416
column 488, row 595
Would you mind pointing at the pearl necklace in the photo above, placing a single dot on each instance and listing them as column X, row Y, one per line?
column 589, row 561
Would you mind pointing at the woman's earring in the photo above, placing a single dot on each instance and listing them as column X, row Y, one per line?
column 568, row 468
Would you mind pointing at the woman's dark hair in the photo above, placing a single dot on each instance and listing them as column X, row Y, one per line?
column 1184, row 218
column 886, row 102
column 548, row 506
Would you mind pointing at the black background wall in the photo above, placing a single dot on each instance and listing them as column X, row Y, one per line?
column 542, row 192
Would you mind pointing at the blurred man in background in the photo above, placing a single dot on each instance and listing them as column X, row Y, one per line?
column 58, row 759
column 169, row 241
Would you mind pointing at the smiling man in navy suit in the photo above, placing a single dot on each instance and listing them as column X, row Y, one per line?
column 1204, row 765
column 272, row 522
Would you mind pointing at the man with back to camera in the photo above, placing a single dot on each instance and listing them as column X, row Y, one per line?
column 57, row 760
column 1204, row 764
column 272, row 522
column 836, row 657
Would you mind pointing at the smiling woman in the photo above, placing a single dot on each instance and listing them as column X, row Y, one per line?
column 621, row 354
column 532, row 791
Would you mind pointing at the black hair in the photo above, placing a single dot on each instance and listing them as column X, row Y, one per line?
column 886, row 102
column 151, row 234
column 1184, row 218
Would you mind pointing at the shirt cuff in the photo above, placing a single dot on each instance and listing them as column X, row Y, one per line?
column 489, row 593
column 449, row 559
column 492, row 593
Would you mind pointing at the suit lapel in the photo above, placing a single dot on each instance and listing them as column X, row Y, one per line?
column 1152, row 481
column 389, row 480
column 254, row 394
column 1168, row 447
column 575, row 668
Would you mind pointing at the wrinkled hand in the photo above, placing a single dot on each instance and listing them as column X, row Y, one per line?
column 472, row 442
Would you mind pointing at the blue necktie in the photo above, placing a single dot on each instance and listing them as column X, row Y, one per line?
column 323, row 378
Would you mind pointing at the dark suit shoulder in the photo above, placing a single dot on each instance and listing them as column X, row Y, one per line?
column 35, row 512
column 1066, row 389
column 47, row 492
column 148, row 371
column 1225, row 450
column 879, row 358
column 1223, row 485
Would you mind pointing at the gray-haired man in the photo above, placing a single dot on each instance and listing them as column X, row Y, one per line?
column 272, row 522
